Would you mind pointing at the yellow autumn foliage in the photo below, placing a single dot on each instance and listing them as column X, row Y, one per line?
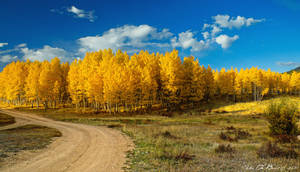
column 117, row 82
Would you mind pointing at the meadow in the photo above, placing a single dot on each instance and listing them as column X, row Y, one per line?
column 216, row 136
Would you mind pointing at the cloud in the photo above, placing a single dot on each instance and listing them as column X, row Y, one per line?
column 45, row 53
column 225, row 21
column 225, row 41
column 21, row 45
column 15, row 49
column 79, row 13
column 205, row 26
column 186, row 40
column 213, row 33
column 205, row 35
column 57, row 11
column 215, row 30
column 7, row 51
column 7, row 58
column 290, row 64
column 133, row 38
column 3, row 44
column 126, row 37
column 76, row 12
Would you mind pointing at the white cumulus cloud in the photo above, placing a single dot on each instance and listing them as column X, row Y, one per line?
column 205, row 35
column 225, row 21
column 45, row 53
column 81, row 13
column 125, row 37
column 225, row 41
column 132, row 38
column 215, row 30
column 187, row 40
column 205, row 26
column 7, row 58
column 3, row 44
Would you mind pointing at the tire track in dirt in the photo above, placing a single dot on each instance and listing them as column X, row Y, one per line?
column 81, row 148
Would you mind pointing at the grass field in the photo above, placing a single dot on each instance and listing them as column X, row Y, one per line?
column 195, row 140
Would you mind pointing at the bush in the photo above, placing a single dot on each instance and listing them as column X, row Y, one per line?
column 233, row 134
column 166, row 134
column 224, row 149
column 226, row 137
column 175, row 154
column 271, row 150
column 282, row 117
column 283, row 138
column 241, row 134
column 184, row 156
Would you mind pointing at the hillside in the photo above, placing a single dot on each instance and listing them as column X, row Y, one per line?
column 296, row 69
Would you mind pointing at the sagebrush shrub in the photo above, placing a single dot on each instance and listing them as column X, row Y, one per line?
column 272, row 150
column 281, row 116
column 224, row 149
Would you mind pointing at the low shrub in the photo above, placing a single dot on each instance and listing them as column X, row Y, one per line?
column 226, row 137
column 175, row 155
column 241, row 134
column 282, row 117
column 230, row 128
column 184, row 156
column 233, row 134
column 283, row 138
column 224, row 149
column 166, row 134
column 272, row 150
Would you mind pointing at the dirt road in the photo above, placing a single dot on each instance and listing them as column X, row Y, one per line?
column 82, row 148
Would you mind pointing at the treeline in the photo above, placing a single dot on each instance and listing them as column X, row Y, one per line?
column 115, row 82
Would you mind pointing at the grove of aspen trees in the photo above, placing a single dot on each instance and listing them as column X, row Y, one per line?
column 116, row 82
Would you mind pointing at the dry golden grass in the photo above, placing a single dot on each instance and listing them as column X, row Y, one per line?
column 254, row 107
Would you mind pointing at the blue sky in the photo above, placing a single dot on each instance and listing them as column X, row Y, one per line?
column 231, row 33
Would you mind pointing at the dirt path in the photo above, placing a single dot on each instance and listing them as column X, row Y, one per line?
column 82, row 148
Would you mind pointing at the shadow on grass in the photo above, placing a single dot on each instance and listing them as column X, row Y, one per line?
column 27, row 137
column 6, row 119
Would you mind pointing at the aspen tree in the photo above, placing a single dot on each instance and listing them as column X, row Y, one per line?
column 209, row 83
column 172, row 78
column 295, row 83
column 32, row 85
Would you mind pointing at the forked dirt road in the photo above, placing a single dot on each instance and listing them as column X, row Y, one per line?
column 82, row 148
